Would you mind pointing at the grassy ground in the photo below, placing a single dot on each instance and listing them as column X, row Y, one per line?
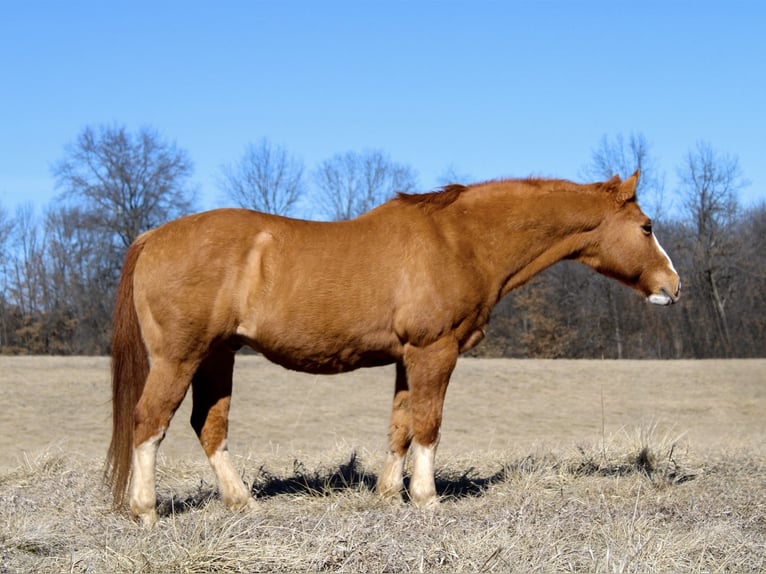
column 544, row 465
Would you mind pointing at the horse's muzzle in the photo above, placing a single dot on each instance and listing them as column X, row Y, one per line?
column 664, row 297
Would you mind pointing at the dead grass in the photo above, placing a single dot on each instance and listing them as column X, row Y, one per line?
column 635, row 490
column 541, row 511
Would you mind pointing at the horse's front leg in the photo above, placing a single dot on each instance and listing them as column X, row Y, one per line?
column 427, row 371
column 390, row 482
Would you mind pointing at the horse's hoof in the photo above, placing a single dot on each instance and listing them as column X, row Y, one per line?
column 389, row 492
column 242, row 505
column 426, row 502
column 147, row 519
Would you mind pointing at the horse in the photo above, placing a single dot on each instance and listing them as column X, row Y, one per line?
column 411, row 282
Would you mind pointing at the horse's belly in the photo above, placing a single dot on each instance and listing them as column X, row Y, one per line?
column 323, row 352
column 326, row 364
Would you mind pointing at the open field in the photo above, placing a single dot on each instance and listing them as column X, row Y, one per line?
column 543, row 465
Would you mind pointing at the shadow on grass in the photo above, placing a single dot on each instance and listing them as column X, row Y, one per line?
column 351, row 476
column 346, row 476
column 181, row 503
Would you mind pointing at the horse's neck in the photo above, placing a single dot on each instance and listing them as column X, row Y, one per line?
column 518, row 235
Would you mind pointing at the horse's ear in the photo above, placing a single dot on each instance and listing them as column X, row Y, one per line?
column 627, row 189
column 613, row 182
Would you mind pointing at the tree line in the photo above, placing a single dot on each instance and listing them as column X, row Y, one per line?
column 58, row 270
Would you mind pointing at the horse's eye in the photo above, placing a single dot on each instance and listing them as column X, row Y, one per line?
column 647, row 228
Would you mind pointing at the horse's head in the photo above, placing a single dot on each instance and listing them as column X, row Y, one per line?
column 626, row 249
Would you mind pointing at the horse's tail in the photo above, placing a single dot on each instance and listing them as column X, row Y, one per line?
column 130, row 367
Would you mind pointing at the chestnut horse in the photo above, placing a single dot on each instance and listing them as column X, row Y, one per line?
column 411, row 282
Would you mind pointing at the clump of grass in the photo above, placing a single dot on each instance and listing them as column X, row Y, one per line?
column 644, row 451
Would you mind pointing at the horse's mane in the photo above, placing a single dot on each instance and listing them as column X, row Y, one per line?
column 434, row 200
column 448, row 194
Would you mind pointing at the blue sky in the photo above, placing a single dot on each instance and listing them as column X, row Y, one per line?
column 488, row 89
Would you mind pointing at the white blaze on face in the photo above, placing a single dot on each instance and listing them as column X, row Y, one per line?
column 665, row 253
column 662, row 298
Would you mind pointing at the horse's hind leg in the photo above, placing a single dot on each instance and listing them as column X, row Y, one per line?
column 390, row 482
column 165, row 388
column 211, row 391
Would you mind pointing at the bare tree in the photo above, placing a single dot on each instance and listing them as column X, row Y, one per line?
column 80, row 282
column 24, row 283
column 127, row 183
column 710, row 182
column 6, row 225
column 352, row 183
column 266, row 178
column 27, row 277
column 6, row 229
column 545, row 333
column 748, row 308
column 623, row 156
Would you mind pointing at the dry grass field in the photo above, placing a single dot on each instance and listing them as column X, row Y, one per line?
column 543, row 465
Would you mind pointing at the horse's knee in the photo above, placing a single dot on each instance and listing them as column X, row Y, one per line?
column 163, row 392
column 399, row 438
column 148, row 423
column 427, row 421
